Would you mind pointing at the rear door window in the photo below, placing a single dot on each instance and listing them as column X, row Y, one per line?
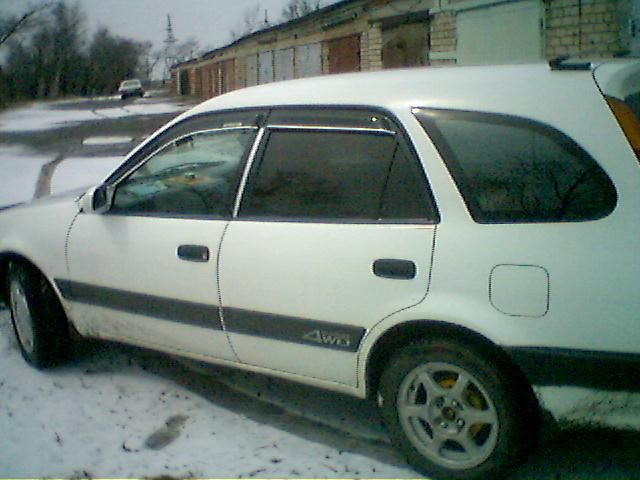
column 513, row 170
column 329, row 165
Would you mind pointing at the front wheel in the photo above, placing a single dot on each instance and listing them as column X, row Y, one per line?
column 38, row 319
column 453, row 412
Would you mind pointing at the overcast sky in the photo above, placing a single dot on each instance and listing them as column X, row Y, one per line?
column 210, row 22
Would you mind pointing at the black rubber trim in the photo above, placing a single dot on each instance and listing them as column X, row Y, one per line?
column 315, row 333
column 193, row 253
column 584, row 368
column 196, row 314
column 394, row 269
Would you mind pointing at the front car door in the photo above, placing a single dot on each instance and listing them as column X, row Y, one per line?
column 334, row 233
column 145, row 271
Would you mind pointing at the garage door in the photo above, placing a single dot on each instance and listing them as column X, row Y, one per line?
column 504, row 33
column 265, row 67
column 344, row 54
column 405, row 45
column 283, row 61
column 308, row 60
column 252, row 70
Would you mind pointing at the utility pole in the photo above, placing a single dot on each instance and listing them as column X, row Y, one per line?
column 169, row 50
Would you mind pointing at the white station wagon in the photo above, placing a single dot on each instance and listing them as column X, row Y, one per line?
column 441, row 240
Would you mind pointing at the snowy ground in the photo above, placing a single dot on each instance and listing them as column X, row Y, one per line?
column 122, row 412
column 41, row 116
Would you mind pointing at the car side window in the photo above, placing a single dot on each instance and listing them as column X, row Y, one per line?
column 193, row 175
column 513, row 170
column 336, row 174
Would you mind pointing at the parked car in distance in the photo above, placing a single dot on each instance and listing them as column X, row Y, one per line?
column 130, row 88
column 444, row 241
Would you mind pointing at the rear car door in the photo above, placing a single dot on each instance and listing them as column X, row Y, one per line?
column 146, row 271
column 334, row 233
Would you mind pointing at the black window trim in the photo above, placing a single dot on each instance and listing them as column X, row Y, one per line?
column 247, row 169
column 426, row 116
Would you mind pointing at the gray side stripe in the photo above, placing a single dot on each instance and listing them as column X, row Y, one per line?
column 295, row 330
column 315, row 333
column 199, row 315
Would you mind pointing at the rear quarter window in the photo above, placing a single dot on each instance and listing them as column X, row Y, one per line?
column 513, row 170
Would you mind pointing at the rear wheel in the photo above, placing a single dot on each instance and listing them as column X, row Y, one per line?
column 38, row 319
column 452, row 411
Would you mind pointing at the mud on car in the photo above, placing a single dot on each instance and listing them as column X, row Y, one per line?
column 444, row 241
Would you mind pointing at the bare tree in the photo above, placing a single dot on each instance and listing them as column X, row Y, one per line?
column 112, row 59
column 10, row 26
column 299, row 8
column 149, row 59
column 251, row 22
column 67, row 34
column 56, row 58
column 187, row 49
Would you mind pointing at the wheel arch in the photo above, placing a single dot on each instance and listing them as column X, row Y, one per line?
column 401, row 335
column 5, row 259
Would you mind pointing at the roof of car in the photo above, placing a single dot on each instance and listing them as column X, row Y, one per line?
column 535, row 91
column 411, row 87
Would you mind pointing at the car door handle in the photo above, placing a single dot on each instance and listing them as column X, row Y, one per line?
column 193, row 253
column 394, row 269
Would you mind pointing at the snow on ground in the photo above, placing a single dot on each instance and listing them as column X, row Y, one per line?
column 106, row 140
column 19, row 171
column 44, row 115
column 124, row 413
column 75, row 172
column 140, row 107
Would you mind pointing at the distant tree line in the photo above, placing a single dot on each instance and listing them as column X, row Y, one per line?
column 48, row 55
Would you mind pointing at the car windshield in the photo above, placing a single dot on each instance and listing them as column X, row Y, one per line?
column 130, row 83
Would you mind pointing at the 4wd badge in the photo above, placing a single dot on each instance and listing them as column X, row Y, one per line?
column 336, row 339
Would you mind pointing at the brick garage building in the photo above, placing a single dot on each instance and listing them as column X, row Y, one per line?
column 362, row 35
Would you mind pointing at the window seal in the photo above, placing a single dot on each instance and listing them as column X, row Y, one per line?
column 247, row 168
column 323, row 128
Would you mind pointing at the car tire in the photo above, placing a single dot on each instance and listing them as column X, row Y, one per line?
column 38, row 319
column 452, row 411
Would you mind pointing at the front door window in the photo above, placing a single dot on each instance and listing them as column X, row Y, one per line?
column 193, row 175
